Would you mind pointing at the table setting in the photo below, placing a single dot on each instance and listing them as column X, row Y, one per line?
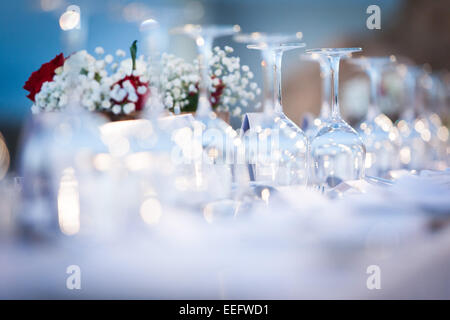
column 163, row 178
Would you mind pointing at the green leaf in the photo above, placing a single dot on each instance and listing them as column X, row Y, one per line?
column 133, row 52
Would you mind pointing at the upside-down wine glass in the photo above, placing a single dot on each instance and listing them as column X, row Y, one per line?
column 377, row 130
column 337, row 151
column 276, row 147
column 413, row 151
column 212, row 136
column 439, row 106
column 314, row 125
column 434, row 133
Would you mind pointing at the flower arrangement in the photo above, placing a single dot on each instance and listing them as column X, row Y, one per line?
column 231, row 87
column 120, row 89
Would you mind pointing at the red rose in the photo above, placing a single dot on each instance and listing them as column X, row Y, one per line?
column 215, row 96
column 136, row 83
column 44, row 74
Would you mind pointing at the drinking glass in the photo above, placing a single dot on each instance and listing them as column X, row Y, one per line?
column 213, row 173
column 377, row 130
column 337, row 151
column 434, row 133
column 276, row 148
column 314, row 125
column 413, row 132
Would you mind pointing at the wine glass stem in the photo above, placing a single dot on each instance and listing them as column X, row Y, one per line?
column 334, row 67
column 269, row 80
column 204, row 45
column 278, row 57
column 153, row 46
column 375, row 83
column 326, row 88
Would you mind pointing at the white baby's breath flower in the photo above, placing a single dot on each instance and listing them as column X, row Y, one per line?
column 106, row 104
column 141, row 90
column 237, row 111
column 109, row 58
column 120, row 53
column 129, row 108
column 99, row 50
column 132, row 96
column 192, row 88
column 34, row 109
column 116, row 109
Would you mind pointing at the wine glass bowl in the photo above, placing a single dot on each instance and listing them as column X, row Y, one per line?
column 337, row 151
column 282, row 147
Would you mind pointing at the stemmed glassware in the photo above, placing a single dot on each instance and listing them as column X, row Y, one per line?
column 437, row 104
column 212, row 136
column 413, row 133
column 337, row 151
column 276, row 147
column 377, row 130
column 433, row 132
column 312, row 128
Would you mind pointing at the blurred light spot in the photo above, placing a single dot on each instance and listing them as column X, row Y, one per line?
column 442, row 134
column 103, row 162
column 200, row 41
column 69, row 203
column 436, row 120
column 426, row 135
column 419, row 126
column 405, row 155
column 70, row 19
column 208, row 214
column 317, row 122
column 265, row 195
column 393, row 134
column 151, row 211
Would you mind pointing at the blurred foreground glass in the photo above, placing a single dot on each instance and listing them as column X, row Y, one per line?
column 56, row 162
column 275, row 147
column 337, row 151
column 377, row 130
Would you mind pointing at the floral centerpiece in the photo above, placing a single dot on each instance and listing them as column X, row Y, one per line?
column 121, row 89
